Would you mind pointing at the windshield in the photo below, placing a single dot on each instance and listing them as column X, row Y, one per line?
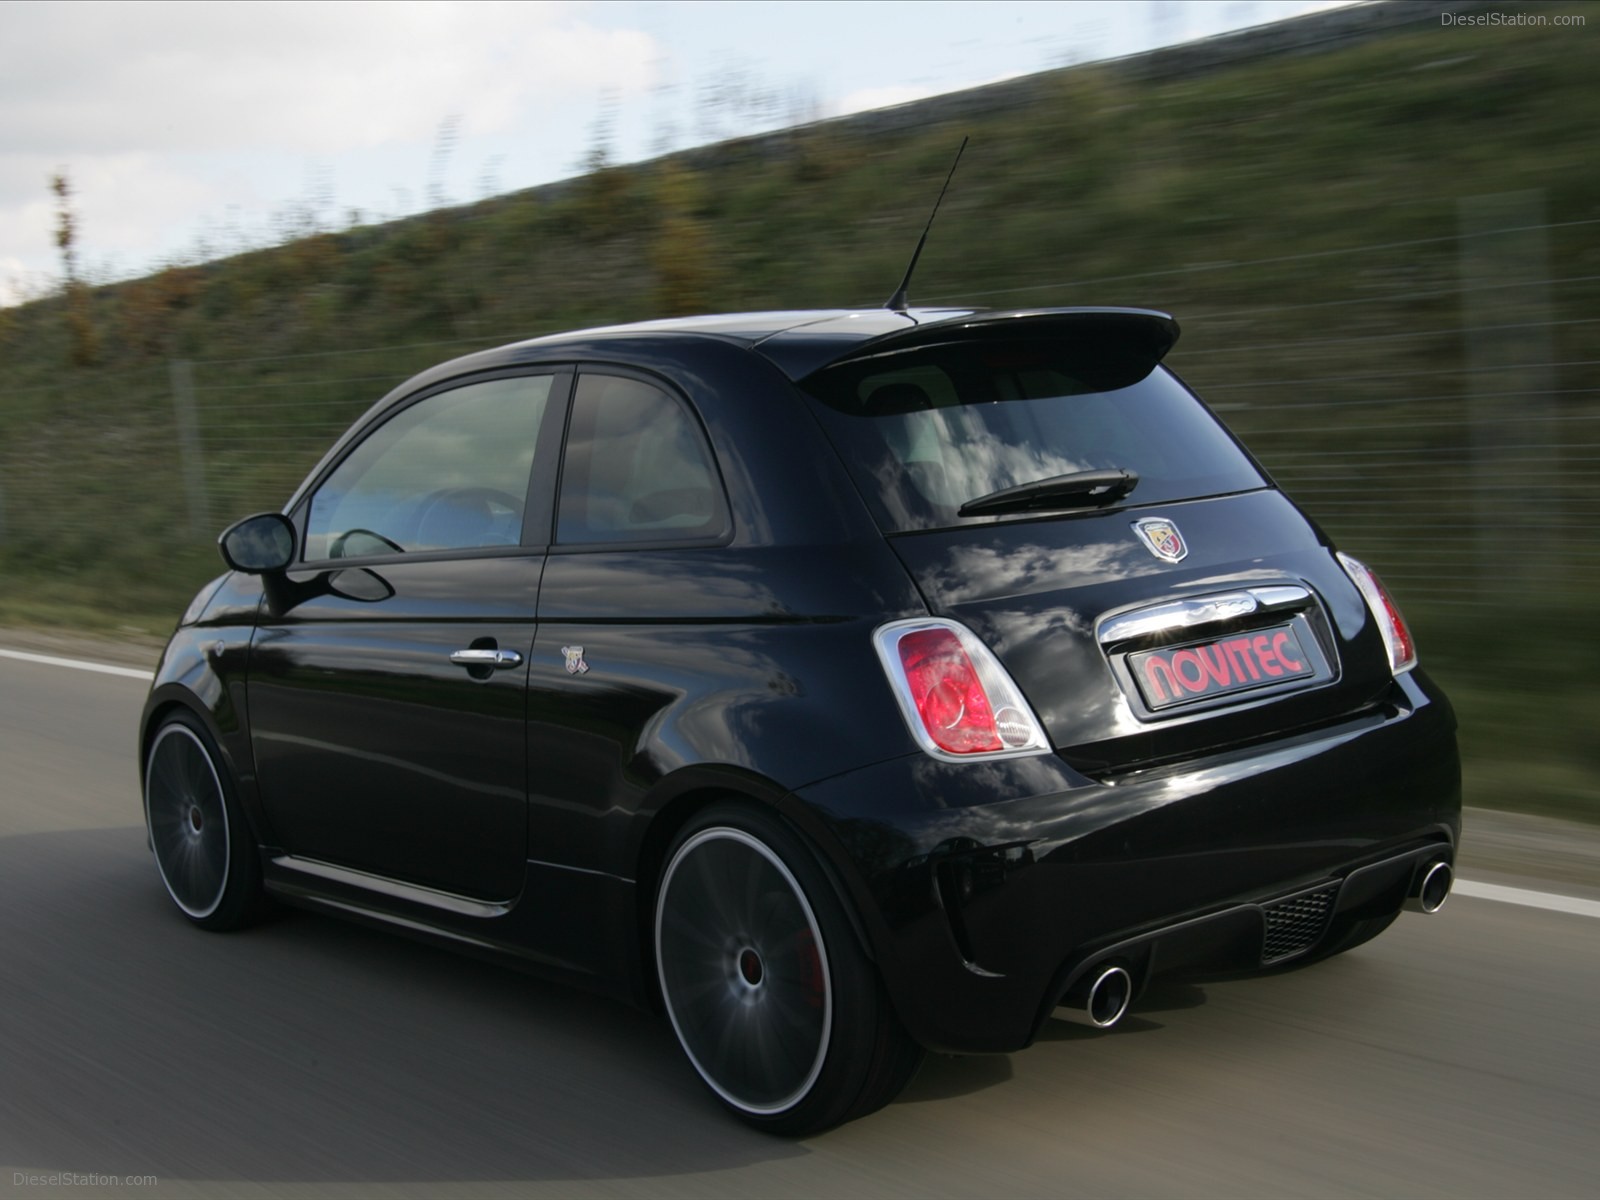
column 926, row 431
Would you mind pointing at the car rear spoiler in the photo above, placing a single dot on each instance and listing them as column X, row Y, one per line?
column 1119, row 346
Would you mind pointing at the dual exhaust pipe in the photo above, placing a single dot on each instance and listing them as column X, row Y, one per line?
column 1430, row 888
column 1100, row 999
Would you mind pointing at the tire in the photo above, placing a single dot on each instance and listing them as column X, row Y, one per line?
column 203, row 848
column 772, row 998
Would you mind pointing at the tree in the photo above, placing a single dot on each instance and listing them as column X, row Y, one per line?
column 680, row 248
column 84, row 346
column 603, row 184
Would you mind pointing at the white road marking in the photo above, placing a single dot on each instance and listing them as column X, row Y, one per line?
column 1511, row 895
column 1465, row 887
column 50, row 660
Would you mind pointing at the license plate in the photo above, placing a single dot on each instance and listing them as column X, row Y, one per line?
column 1242, row 663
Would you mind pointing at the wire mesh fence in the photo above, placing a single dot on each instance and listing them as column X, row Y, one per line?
column 1448, row 431
column 1433, row 403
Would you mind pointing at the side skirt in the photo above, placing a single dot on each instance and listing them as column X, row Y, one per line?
column 571, row 926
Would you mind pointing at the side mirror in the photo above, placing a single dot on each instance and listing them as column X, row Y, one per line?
column 258, row 545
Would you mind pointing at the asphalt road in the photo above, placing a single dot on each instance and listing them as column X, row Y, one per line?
column 1456, row 1056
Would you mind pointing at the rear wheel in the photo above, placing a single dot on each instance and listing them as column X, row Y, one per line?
column 202, row 845
column 767, row 988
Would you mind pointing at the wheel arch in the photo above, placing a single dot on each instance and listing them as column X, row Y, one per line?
column 159, row 708
column 168, row 699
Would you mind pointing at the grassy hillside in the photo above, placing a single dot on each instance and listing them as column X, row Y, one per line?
column 1386, row 259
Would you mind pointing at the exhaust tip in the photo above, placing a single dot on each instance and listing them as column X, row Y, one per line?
column 1432, row 889
column 1100, row 1000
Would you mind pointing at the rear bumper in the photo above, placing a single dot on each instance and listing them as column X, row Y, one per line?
column 986, row 890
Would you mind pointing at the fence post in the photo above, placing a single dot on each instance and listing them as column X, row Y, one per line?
column 189, row 452
column 1504, row 259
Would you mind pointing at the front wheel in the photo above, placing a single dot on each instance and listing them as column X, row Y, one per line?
column 203, row 847
column 767, row 988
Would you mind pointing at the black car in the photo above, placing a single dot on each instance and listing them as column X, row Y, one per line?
column 843, row 683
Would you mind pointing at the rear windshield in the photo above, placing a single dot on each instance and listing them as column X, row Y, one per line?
column 925, row 431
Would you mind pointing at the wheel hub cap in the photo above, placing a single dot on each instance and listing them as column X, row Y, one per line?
column 750, row 968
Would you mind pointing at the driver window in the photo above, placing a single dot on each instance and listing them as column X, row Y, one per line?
column 447, row 473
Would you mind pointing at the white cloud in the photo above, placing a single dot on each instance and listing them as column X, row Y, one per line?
column 178, row 121
column 864, row 99
column 316, row 78
column 19, row 283
column 117, row 201
column 162, row 112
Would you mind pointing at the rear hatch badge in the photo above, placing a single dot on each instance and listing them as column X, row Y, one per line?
column 1161, row 537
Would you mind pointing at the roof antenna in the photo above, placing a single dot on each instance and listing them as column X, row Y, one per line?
column 897, row 302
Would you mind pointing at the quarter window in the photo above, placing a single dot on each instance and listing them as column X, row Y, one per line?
column 637, row 468
column 450, row 472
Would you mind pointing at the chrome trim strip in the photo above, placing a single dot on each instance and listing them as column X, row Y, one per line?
column 1282, row 596
column 1202, row 610
column 378, row 914
column 555, row 866
column 414, row 893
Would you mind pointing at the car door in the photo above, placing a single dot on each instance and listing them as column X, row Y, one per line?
column 636, row 604
column 387, row 687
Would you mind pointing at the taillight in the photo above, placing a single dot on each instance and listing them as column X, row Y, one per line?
column 1396, row 634
column 956, row 697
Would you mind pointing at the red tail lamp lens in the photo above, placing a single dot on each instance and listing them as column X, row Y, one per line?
column 1402, row 650
column 948, row 696
column 957, row 699
column 1396, row 633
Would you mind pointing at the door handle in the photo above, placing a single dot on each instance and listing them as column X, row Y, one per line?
column 498, row 659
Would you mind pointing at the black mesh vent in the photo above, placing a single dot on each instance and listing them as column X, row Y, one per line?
column 1295, row 925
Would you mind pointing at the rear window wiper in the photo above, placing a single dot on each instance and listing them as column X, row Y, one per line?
column 1059, row 491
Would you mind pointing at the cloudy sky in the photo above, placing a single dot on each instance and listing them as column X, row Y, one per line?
column 193, row 129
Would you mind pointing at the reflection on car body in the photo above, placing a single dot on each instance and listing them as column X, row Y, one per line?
column 842, row 683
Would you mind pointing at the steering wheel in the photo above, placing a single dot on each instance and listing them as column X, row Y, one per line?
column 356, row 543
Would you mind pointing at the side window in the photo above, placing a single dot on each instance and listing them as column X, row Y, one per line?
column 637, row 468
column 448, row 473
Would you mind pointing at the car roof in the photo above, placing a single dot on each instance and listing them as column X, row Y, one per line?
column 803, row 342
column 800, row 343
column 756, row 327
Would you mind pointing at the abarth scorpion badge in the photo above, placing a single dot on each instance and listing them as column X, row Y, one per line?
column 1162, row 538
column 575, row 663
